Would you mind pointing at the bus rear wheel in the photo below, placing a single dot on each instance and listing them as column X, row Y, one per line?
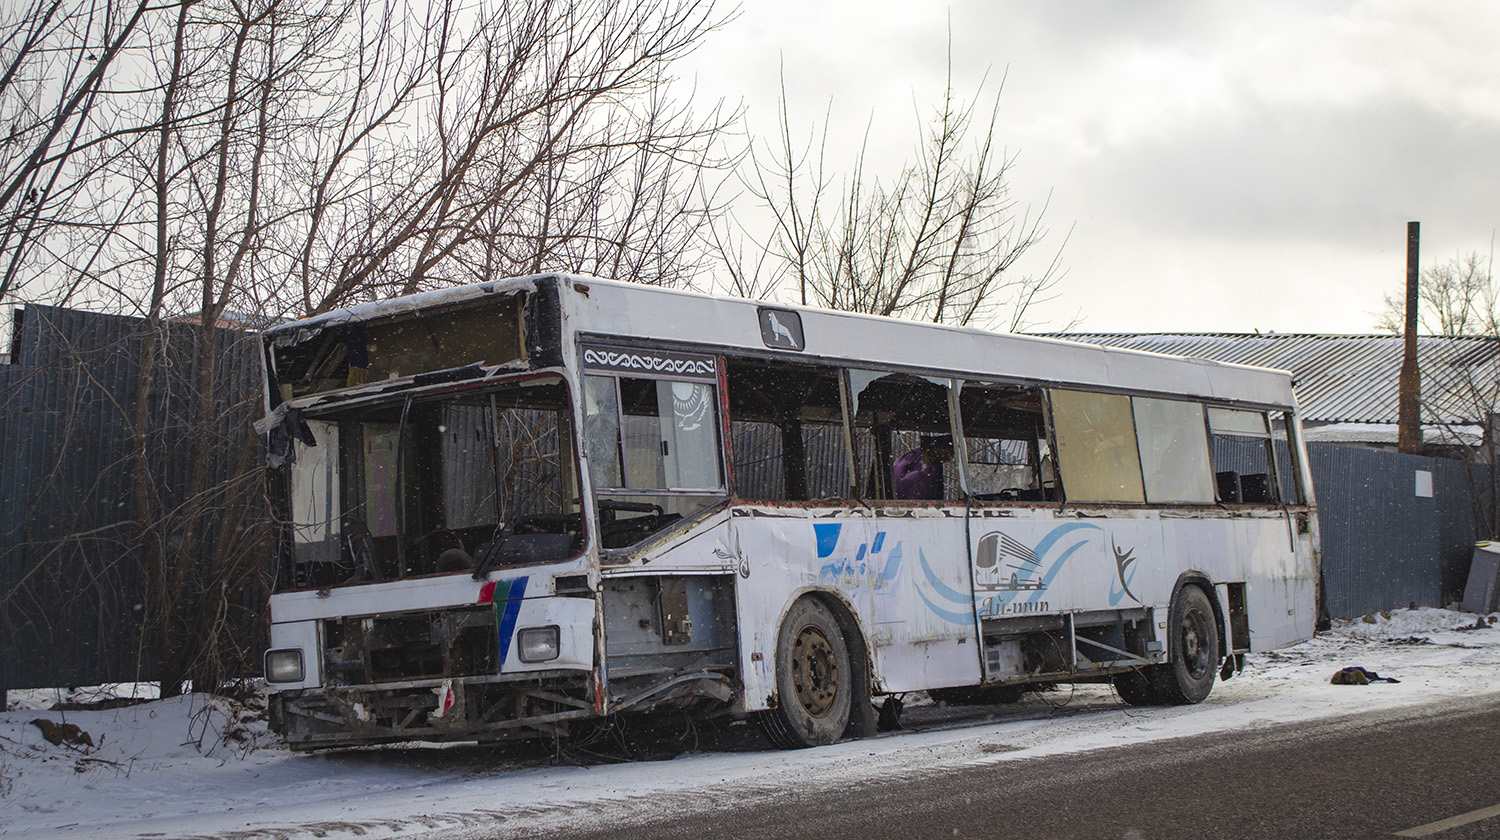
column 1194, row 641
column 814, row 680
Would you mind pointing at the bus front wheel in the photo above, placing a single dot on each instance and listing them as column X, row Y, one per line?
column 1194, row 641
column 814, row 680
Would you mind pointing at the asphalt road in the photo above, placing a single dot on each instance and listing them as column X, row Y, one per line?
column 1361, row 777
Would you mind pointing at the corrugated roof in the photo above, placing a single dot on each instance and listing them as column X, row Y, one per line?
column 1347, row 378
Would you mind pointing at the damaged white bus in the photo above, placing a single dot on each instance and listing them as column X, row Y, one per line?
column 513, row 506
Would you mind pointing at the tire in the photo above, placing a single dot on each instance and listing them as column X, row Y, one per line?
column 814, row 680
column 1137, row 688
column 1194, row 647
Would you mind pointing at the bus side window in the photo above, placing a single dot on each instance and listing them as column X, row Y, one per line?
column 1240, row 443
column 1173, row 443
column 903, row 437
column 1096, row 447
column 1281, row 446
column 786, row 431
column 1005, row 444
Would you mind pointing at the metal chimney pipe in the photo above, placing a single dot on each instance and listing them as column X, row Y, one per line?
column 1409, row 401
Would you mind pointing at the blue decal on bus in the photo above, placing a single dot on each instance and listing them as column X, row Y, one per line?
column 827, row 534
column 947, row 592
column 507, row 607
column 892, row 568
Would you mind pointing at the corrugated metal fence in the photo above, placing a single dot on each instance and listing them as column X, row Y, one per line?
column 72, row 584
column 1385, row 545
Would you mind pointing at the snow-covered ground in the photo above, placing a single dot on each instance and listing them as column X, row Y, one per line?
column 200, row 767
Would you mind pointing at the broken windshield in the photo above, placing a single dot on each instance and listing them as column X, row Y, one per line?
column 334, row 356
column 479, row 477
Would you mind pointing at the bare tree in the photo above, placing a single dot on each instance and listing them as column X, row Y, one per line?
column 55, row 59
column 937, row 242
column 549, row 143
column 1458, row 297
column 203, row 163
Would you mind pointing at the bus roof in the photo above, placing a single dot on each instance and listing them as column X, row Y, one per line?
column 612, row 309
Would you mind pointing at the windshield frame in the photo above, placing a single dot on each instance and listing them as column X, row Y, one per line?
column 402, row 552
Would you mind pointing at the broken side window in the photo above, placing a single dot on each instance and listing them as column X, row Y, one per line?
column 1005, row 444
column 1242, row 461
column 786, row 423
column 315, row 508
column 654, row 452
column 903, row 437
column 1283, row 444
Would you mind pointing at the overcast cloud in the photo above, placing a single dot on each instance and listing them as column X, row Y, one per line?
column 1225, row 166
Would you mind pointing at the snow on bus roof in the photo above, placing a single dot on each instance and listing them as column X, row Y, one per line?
column 411, row 303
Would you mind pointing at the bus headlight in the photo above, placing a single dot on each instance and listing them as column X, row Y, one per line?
column 538, row 644
column 284, row 666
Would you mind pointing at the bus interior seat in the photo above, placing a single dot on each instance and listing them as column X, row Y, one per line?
column 1229, row 487
column 454, row 560
column 1255, row 488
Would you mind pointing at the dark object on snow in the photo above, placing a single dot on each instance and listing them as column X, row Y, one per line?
column 890, row 714
column 63, row 734
column 1356, row 675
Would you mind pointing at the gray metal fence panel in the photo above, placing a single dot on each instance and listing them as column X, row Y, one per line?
column 70, row 585
column 1384, row 546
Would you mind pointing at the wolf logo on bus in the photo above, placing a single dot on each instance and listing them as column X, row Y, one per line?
column 781, row 329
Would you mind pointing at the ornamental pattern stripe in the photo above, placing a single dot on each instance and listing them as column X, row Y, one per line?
column 680, row 364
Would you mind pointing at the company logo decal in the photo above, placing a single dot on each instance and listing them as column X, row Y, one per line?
column 1124, row 574
column 952, row 596
column 781, row 329
column 870, row 563
column 1011, row 578
column 506, row 595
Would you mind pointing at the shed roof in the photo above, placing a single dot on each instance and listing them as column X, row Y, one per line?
column 1348, row 378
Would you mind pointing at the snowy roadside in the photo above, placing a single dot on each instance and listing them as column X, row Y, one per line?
column 200, row 767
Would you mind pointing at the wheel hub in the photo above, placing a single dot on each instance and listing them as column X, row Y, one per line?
column 815, row 672
column 1194, row 649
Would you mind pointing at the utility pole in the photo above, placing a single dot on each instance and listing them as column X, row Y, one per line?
column 1409, row 402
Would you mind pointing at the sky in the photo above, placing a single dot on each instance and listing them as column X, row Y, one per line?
column 1223, row 167
column 164, row 770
